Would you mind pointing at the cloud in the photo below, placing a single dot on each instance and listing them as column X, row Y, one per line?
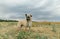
column 40, row 9
column 56, row 10
column 14, row 2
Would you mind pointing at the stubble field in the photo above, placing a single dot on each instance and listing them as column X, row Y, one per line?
column 39, row 30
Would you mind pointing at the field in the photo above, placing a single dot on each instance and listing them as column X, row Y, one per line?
column 39, row 30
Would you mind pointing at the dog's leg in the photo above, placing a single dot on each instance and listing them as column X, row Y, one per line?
column 19, row 26
column 29, row 27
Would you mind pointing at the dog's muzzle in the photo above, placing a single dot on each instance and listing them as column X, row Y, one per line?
column 28, row 18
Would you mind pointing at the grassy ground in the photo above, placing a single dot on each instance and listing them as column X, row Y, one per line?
column 39, row 30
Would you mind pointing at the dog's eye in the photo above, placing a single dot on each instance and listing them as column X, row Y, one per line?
column 31, row 15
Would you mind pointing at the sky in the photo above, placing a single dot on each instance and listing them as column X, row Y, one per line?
column 41, row 10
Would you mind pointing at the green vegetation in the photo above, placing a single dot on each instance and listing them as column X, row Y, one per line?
column 30, row 35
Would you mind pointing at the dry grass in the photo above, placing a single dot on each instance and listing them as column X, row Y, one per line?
column 9, row 30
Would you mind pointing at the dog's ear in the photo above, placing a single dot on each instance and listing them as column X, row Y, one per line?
column 25, row 14
column 30, row 15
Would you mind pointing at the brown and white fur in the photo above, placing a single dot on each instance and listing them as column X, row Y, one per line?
column 27, row 22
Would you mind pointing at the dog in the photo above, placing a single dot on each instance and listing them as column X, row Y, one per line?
column 27, row 22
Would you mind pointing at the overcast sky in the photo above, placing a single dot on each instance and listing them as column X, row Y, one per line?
column 40, row 9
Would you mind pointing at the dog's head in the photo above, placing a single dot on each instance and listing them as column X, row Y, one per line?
column 28, row 16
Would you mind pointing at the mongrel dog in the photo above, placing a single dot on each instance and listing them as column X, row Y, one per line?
column 27, row 22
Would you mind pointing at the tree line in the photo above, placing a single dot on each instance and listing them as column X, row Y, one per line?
column 8, row 20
